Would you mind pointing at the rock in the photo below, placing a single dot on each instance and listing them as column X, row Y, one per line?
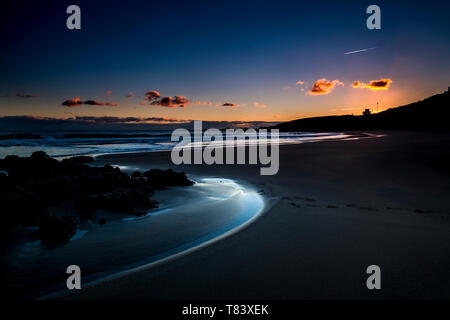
column 42, row 156
column 159, row 179
column 35, row 183
column 9, row 162
column 86, row 205
column 136, row 174
column 54, row 230
column 79, row 160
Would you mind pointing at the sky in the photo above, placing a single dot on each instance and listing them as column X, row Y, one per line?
column 219, row 60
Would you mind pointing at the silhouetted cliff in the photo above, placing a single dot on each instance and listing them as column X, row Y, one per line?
column 430, row 113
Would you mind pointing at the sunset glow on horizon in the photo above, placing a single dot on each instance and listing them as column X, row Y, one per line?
column 266, row 65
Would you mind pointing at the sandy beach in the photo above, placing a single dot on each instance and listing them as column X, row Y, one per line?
column 186, row 218
column 337, row 207
column 244, row 154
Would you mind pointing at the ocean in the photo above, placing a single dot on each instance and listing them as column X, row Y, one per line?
column 63, row 144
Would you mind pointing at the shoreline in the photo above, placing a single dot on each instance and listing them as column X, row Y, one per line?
column 70, row 149
column 189, row 218
column 343, row 205
column 268, row 202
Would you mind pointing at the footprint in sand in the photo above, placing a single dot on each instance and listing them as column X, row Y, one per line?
column 423, row 211
column 305, row 199
column 395, row 209
column 294, row 204
column 368, row 209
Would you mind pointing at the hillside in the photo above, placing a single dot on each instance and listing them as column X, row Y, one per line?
column 430, row 113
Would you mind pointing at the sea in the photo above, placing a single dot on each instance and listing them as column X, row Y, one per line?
column 63, row 144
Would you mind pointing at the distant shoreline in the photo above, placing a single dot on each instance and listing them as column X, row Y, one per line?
column 101, row 145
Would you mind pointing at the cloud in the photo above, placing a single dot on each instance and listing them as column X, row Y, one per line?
column 25, row 95
column 108, row 93
column 21, row 123
column 169, row 102
column 130, row 95
column 258, row 105
column 153, row 98
column 120, row 120
column 203, row 103
column 230, row 105
column 73, row 102
column 301, row 84
column 324, row 86
column 77, row 102
column 382, row 84
column 151, row 95
column 100, row 103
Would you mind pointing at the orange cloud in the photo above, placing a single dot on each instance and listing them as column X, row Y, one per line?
column 324, row 86
column 374, row 85
column 100, row 103
column 300, row 82
column 151, row 95
column 130, row 95
column 169, row 102
column 72, row 102
column 258, row 105
column 108, row 93
column 230, row 105
column 77, row 102
column 203, row 103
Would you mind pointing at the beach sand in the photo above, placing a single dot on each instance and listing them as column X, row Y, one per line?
column 337, row 207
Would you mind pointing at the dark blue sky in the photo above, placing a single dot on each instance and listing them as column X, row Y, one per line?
column 246, row 53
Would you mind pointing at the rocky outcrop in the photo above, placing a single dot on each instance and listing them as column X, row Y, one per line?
column 54, row 230
column 159, row 179
column 38, row 182
column 79, row 160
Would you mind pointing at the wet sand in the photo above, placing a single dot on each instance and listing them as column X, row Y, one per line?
column 187, row 218
column 338, row 208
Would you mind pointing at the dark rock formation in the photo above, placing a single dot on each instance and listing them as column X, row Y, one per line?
column 38, row 182
column 136, row 174
column 79, row 160
column 429, row 114
column 159, row 179
column 54, row 230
